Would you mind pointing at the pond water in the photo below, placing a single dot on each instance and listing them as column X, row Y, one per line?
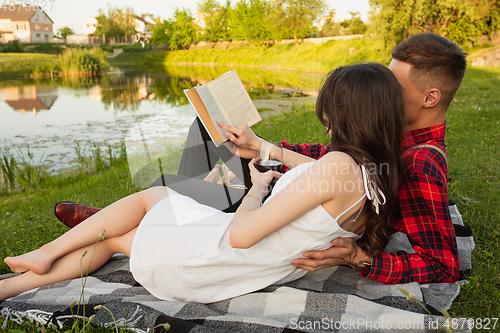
column 51, row 117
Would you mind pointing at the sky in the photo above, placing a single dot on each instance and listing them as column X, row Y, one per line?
column 72, row 13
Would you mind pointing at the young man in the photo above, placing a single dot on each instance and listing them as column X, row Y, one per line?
column 430, row 69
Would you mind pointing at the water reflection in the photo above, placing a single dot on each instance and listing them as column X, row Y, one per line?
column 29, row 98
column 102, row 109
column 155, row 144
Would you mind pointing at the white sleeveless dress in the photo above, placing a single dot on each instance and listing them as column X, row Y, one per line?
column 181, row 249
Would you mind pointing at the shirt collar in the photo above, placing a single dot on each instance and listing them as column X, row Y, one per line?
column 417, row 136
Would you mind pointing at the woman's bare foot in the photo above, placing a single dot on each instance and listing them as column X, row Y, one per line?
column 33, row 261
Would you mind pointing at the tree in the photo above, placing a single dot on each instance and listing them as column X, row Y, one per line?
column 295, row 18
column 251, row 21
column 106, row 27
column 330, row 27
column 160, row 33
column 462, row 21
column 182, row 31
column 355, row 25
column 216, row 20
column 118, row 23
column 124, row 17
column 64, row 32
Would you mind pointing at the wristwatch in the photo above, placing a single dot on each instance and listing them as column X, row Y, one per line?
column 365, row 265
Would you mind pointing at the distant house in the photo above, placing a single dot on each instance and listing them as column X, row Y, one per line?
column 199, row 19
column 83, row 39
column 338, row 18
column 143, row 27
column 89, row 26
column 26, row 25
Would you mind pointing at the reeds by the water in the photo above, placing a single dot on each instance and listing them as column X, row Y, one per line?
column 29, row 172
column 82, row 61
column 23, row 172
column 74, row 61
column 8, row 169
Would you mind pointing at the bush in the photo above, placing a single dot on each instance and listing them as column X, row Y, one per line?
column 110, row 47
column 83, row 61
column 46, row 48
column 13, row 47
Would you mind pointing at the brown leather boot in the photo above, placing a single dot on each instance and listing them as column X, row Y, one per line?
column 72, row 214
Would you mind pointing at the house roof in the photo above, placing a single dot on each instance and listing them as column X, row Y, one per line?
column 20, row 14
column 140, row 19
column 145, row 20
column 28, row 104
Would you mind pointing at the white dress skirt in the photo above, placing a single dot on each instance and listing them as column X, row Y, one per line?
column 181, row 249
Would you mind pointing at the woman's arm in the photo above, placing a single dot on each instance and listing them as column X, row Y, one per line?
column 245, row 138
column 312, row 188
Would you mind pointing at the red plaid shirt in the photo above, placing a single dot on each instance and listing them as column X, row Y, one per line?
column 425, row 216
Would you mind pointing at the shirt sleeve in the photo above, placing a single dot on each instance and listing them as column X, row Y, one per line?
column 313, row 150
column 426, row 221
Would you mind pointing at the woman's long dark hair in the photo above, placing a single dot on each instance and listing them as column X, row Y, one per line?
column 362, row 107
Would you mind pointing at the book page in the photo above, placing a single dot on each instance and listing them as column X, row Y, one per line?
column 204, row 116
column 233, row 101
column 212, row 108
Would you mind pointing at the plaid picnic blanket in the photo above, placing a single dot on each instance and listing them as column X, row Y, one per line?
column 334, row 299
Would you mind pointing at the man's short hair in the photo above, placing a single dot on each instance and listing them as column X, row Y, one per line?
column 436, row 62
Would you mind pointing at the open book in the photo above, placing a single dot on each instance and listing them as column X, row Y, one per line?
column 226, row 100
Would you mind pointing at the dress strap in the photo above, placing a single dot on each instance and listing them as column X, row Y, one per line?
column 373, row 193
column 352, row 206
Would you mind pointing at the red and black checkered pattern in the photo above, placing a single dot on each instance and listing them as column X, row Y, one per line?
column 424, row 210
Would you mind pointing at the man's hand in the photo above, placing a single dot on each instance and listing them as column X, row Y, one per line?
column 344, row 251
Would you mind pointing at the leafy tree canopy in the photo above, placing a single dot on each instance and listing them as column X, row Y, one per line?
column 65, row 31
column 295, row 18
column 182, row 30
column 216, row 20
column 462, row 21
column 117, row 23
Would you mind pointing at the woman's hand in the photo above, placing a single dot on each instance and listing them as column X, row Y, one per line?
column 241, row 152
column 242, row 136
column 344, row 251
column 261, row 180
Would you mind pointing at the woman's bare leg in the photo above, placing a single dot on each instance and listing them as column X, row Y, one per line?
column 68, row 266
column 117, row 219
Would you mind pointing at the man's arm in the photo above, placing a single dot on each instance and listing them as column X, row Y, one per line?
column 427, row 223
column 313, row 150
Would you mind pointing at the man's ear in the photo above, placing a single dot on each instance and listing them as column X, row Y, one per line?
column 432, row 97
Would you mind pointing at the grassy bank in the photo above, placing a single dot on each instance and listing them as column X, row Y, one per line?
column 305, row 56
column 73, row 61
column 320, row 58
column 473, row 140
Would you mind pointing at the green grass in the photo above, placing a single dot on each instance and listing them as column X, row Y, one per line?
column 305, row 56
column 73, row 61
column 473, row 139
column 23, row 64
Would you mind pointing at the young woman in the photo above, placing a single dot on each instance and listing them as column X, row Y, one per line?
column 181, row 249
